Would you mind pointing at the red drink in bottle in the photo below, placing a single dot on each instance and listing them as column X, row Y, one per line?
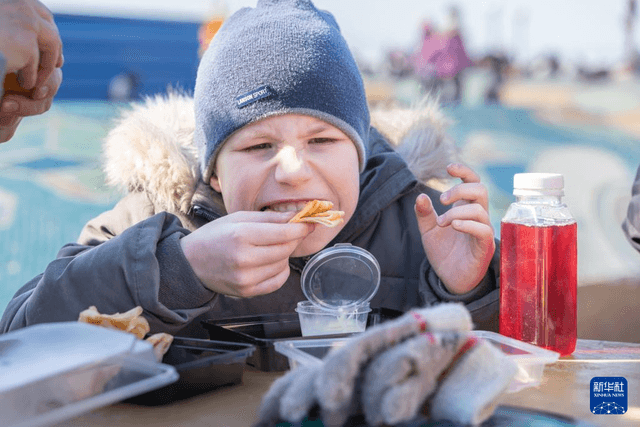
column 538, row 265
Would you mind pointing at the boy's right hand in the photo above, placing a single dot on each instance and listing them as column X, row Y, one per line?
column 244, row 254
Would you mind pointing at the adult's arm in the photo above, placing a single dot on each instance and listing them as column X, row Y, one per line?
column 631, row 224
column 3, row 65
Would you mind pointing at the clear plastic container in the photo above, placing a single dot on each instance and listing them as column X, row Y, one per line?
column 538, row 265
column 341, row 277
column 308, row 351
column 530, row 359
column 53, row 372
column 316, row 320
column 338, row 282
column 263, row 331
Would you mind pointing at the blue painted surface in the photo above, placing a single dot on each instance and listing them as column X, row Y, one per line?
column 43, row 223
column 49, row 163
column 160, row 53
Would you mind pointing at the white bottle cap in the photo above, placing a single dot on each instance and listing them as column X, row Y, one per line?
column 538, row 184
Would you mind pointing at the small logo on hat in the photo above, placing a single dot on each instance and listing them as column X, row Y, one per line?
column 253, row 96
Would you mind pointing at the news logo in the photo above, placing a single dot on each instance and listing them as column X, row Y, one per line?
column 609, row 395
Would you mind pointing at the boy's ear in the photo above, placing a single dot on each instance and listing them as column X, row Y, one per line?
column 214, row 182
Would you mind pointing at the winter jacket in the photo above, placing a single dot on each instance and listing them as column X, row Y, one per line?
column 131, row 254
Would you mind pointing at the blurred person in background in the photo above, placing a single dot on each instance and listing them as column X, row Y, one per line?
column 30, row 62
column 442, row 58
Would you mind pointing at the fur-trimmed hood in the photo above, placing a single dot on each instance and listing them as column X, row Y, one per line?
column 151, row 146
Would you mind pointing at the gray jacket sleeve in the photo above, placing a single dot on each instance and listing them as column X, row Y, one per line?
column 3, row 65
column 483, row 301
column 631, row 224
column 144, row 265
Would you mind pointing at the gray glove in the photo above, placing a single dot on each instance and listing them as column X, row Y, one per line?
column 335, row 386
column 450, row 376
column 468, row 393
column 399, row 381
column 332, row 385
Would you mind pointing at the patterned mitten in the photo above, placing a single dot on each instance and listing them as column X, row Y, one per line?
column 336, row 384
column 468, row 391
column 333, row 386
column 290, row 397
column 397, row 383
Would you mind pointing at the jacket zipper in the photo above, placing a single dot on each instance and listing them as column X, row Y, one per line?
column 204, row 213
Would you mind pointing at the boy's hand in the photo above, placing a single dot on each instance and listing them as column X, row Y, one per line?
column 459, row 243
column 244, row 254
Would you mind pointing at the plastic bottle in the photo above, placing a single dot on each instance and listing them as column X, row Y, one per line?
column 538, row 265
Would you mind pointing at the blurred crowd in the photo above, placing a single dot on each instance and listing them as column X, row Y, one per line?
column 441, row 62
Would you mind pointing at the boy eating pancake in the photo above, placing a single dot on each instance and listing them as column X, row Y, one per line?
column 279, row 118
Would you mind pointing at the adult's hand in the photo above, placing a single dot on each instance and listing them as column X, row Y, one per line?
column 29, row 41
column 18, row 103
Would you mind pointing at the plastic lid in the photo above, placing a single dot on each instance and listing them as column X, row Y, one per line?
column 342, row 276
column 538, row 184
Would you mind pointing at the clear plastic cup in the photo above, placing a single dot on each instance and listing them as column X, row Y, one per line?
column 316, row 321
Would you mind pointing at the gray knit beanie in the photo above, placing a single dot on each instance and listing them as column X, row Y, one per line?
column 283, row 56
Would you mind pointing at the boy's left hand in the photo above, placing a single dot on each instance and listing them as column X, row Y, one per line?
column 459, row 243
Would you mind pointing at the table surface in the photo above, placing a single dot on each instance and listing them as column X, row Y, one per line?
column 565, row 389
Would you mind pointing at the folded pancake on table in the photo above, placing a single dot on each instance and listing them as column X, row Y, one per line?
column 318, row 211
column 132, row 322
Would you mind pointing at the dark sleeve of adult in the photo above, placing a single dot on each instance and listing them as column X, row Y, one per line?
column 631, row 224
column 3, row 65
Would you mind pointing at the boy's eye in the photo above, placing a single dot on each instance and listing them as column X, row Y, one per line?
column 263, row 146
column 321, row 140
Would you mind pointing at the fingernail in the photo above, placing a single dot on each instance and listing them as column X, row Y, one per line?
column 42, row 92
column 444, row 196
column 10, row 107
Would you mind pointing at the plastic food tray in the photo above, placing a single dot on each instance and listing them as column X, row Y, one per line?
column 531, row 360
column 265, row 330
column 52, row 372
column 203, row 366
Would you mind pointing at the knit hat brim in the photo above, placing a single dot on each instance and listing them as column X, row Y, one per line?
column 282, row 57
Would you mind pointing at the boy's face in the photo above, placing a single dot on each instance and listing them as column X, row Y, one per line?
column 282, row 162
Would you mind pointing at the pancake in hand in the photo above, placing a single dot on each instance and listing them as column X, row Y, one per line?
column 319, row 211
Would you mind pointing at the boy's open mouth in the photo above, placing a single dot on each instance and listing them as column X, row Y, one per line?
column 284, row 207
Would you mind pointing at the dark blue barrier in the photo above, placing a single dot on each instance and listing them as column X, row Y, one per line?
column 155, row 54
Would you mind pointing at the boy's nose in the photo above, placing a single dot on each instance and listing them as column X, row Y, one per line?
column 290, row 165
